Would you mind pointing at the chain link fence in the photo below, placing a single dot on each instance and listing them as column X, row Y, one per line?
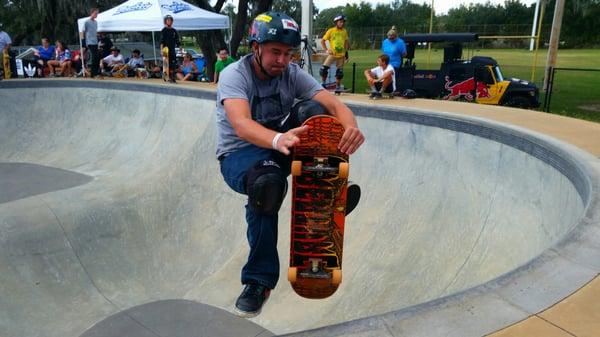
column 574, row 92
column 371, row 37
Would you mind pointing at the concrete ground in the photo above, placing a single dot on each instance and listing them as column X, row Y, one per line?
column 114, row 220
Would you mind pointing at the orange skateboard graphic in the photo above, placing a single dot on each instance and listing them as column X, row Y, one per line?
column 166, row 65
column 319, row 188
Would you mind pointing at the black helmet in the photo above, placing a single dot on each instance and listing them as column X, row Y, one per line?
column 276, row 27
column 339, row 17
column 409, row 93
column 167, row 17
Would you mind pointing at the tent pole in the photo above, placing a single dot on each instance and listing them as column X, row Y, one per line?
column 154, row 49
column 81, row 55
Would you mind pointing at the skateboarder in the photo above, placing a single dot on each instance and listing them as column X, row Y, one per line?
column 170, row 39
column 257, row 129
column 338, row 51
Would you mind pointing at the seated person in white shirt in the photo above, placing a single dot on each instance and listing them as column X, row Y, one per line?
column 111, row 61
column 382, row 78
column 135, row 63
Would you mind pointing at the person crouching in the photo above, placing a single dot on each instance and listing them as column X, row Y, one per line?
column 382, row 78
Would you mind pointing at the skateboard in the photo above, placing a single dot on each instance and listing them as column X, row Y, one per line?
column 319, row 190
column 338, row 92
column 388, row 95
column 332, row 87
column 6, row 64
column 165, row 74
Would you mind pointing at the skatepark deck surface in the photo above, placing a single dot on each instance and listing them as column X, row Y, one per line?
column 115, row 220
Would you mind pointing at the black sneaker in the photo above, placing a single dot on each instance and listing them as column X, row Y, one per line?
column 352, row 197
column 251, row 301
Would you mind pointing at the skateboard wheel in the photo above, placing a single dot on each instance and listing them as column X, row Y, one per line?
column 336, row 277
column 296, row 168
column 292, row 273
column 344, row 170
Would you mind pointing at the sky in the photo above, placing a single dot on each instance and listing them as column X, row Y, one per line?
column 440, row 6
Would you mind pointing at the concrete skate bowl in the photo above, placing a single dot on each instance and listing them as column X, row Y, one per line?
column 115, row 221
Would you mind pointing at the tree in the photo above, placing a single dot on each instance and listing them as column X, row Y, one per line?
column 29, row 20
column 292, row 8
column 210, row 41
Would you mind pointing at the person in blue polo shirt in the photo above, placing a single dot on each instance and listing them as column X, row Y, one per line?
column 395, row 48
column 43, row 54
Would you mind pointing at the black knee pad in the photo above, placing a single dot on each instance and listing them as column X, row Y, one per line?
column 266, row 186
column 339, row 73
column 324, row 70
column 306, row 109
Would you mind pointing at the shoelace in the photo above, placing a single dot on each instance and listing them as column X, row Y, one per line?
column 254, row 289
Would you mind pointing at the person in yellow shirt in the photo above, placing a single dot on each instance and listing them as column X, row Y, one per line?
column 337, row 50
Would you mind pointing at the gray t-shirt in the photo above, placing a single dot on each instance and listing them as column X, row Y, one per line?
column 91, row 32
column 270, row 100
column 4, row 40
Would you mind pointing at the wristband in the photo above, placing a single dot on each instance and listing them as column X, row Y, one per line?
column 275, row 140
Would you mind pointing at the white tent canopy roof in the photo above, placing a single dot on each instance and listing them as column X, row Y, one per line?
column 147, row 16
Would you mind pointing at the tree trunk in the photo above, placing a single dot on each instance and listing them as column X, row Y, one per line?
column 239, row 27
column 210, row 40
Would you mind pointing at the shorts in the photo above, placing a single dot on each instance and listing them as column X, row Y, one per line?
column 339, row 61
column 388, row 90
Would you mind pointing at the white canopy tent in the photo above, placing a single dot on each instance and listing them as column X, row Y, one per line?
column 147, row 16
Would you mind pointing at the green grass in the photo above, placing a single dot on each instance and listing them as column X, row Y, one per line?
column 575, row 94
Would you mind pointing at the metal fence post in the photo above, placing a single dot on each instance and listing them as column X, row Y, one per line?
column 550, row 88
column 353, row 76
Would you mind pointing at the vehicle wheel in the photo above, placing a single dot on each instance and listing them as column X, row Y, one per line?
column 344, row 170
column 518, row 102
column 296, row 168
column 336, row 277
column 292, row 273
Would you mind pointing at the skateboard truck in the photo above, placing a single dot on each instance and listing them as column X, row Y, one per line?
column 320, row 168
column 315, row 270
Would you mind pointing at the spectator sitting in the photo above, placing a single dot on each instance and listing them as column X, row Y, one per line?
column 111, row 61
column 43, row 54
column 188, row 70
column 381, row 78
column 62, row 59
column 223, row 61
column 78, row 62
column 75, row 62
column 135, row 63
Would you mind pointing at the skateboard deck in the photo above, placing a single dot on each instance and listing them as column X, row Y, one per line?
column 319, row 188
column 384, row 96
column 165, row 74
column 6, row 64
column 332, row 87
column 340, row 91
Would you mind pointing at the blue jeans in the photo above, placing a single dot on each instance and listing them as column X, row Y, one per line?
column 263, row 261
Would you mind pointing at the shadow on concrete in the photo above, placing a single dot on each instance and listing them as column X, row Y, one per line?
column 23, row 180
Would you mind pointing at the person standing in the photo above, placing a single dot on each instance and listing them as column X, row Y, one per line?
column 337, row 50
column 90, row 40
column 395, row 48
column 258, row 125
column 170, row 39
column 223, row 61
column 5, row 43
